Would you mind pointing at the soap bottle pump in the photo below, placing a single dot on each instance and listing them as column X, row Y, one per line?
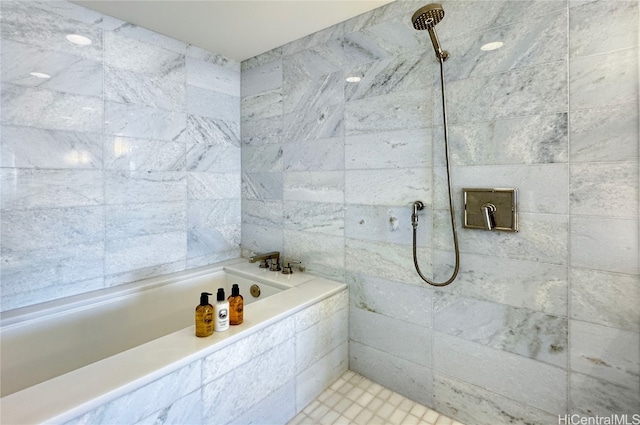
column 236, row 306
column 221, row 312
column 204, row 316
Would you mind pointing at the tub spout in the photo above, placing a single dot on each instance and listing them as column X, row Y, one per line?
column 274, row 256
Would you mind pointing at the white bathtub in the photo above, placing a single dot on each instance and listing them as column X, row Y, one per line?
column 66, row 359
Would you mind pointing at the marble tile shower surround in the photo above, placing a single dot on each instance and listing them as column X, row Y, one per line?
column 538, row 323
column 124, row 164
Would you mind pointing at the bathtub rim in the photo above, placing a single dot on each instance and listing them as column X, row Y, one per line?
column 178, row 349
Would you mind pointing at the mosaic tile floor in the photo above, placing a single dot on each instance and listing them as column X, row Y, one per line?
column 354, row 399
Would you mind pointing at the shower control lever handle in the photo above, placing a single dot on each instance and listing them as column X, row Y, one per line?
column 488, row 210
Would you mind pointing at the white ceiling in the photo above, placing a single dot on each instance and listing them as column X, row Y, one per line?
column 237, row 29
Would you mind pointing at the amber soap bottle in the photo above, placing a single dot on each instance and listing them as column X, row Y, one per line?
column 204, row 316
column 236, row 306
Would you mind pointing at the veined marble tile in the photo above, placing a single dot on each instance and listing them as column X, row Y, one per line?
column 262, row 212
column 203, row 240
column 318, row 340
column 606, row 353
column 36, row 107
column 261, row 131
column 213, row 145
column 608, row 79
column 321, row 59
column 126, row 153
column 72, row 11
column 143, row 58
column 262, row 105
column 320, row 254
column 618, row 31
column 213, row 257
column 318, row 38
column 30, row 188
column 184, row 411
column 395, row 337
column 383, row 223
column 212, row 104
column 535, row 90
column 261, row 59
column 143, row 122
column 326, row 218
column 213, row 186
column 130, row 87
column 209, row 76
column 321, row 310
column 314, row 186
column 68, row 73
column 614, row 185
column 515, row 330
column 608, row 299
column 262, row 78
column 407, row 378
column 386, row 260
column 309, row 125
column 521, row 379
column 277, row 408
column 396, row 111
column 537, row 139
column 592, row 396
column 47, row 228
column 214, row 213
column 207, row 131
column 607, row 244
column 522, row 284
column 135, row 275
column 472, row 404
column 143, row 35
column 262, row 158
column 395, row 187
column 127, row 220
column 257, row 238
column 324, row 154
column 48, row 30
column 607, row 134
column 138, row 187
column 132, row 253
column 28, row 147
column 320, row 375
column 389, row 149
column 262, row 186
column 211, row 57
column 313, row 93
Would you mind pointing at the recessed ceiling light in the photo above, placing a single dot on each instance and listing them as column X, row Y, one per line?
column 492, row 46
column 353, row 79
column 39, row 75
column 78, row 39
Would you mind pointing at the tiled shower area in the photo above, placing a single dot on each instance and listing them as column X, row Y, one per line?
column 141, row 155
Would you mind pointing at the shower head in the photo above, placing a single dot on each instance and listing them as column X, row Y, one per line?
column 426, row 18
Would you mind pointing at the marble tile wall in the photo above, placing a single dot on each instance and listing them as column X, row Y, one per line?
column 538, row 323
column 124, row 164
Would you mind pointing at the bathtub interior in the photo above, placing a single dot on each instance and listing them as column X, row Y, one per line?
column 51, row 343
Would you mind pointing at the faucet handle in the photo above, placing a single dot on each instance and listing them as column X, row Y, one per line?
column 264, row 264
column 275, row 266
column 286, row 269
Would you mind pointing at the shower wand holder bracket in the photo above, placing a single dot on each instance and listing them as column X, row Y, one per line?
column 491, row 209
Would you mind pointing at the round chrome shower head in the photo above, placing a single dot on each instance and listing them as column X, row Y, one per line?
column 428, row 16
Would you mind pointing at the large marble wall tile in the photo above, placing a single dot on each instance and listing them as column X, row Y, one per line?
column 314, row 186
column 607, row 134
column 143, row 58
column 318, row 38
column 129, row 219
column 122, row 187
column 262, row 158
column 606, row 353
column 130, row 87
column 389, row 149
column 31, row 188
column 326, row 218
column 28, row 147
column 199, row 53
column 261, row 59
column 261, row 131
column 608, row 79
column 126, row 153
column 591, row 396
column 524, row 380
column 262, row 78
column 537, row 139
column 34, row 23
column 608, row 299
column 309, row 125
column 262, row 105
column 153, row 270
column 590, row 236
column 515, row 330
column 614, row 185
column 534, row 90
column 523, row 284
column 144, row 122
column 322, row 310
column 213, row 104
column 213, row 145
column 213, row 77
column 256, row 238
column 213, row 186
column 383, row 223
column 318, row 340
column 472, row 404
column 320, row 254
column 409, row 303
column 392, row 336
column 397, row 111
column 322, row 59
column 277, row 408
column 140, row 34
column 407, row 378
column 262, row 186
column 221, row 242
column 214, row 212
column 37, row 107
column 68, row 73
column 325, row 154
column 262, row 212
column 184, row 411
column 618, row 31
column 132, row 253
column 397, row 187
column 313, row 94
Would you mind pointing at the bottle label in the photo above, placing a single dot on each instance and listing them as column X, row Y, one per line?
column 222, row 314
